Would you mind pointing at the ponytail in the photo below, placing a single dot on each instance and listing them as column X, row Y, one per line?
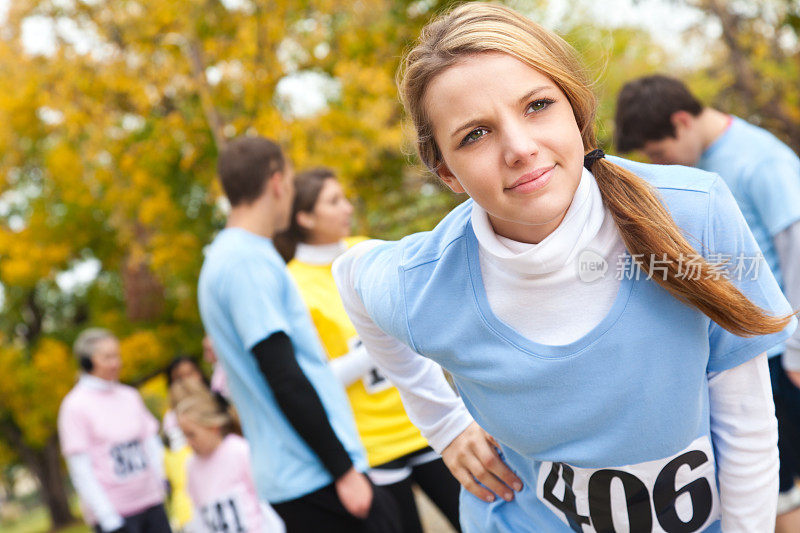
column 649, row 232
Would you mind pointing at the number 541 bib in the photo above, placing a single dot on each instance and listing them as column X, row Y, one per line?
column 670, row 495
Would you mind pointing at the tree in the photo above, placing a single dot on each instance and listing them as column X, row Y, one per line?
column 107, row 163
column 755, row 64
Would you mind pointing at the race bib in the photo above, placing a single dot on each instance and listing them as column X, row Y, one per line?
column 224, row 516
column 373, row 380
column 677, row 494
column 128, row 459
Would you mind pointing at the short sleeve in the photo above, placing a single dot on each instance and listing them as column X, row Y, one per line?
column 730, row 239
column 378, row 282
column 73, row 429
column 253, row 297
column 774, row 187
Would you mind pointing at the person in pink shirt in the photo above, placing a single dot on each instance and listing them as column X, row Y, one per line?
column 220, row 480
column 110, row 443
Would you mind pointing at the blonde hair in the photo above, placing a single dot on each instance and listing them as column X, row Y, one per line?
column 644, row 223
column 193, row 400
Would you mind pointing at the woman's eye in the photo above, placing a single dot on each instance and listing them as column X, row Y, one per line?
column 539, row 105
column 473, row 136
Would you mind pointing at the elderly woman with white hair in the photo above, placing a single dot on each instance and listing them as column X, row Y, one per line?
column 111, row 445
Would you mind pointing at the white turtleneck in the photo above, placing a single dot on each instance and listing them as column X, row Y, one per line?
column 319, row 254
column 516, row 274
column 564, row 309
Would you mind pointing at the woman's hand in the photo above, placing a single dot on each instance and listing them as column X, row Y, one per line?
column 473, row 456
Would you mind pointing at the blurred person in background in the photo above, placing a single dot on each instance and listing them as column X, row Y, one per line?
column 307, row 460
column 110, row 443
column 219, row 474
column 219, row 381
column 399, row 456
column 661, row 117
column 181, row 368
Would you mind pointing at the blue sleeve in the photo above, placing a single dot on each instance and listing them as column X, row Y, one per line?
column 729, row 238
column 775, row 190
column 254, row 301
column 379, row 284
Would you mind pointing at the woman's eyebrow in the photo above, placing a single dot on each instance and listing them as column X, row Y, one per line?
column 527, row 96
column 477, row 122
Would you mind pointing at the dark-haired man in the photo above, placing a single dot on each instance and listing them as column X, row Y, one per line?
column 307, row 457
column 661, row 117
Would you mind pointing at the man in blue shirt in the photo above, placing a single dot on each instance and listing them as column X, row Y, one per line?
column 659, row 116
column 308, row 461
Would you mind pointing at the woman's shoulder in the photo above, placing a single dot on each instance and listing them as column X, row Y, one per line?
column 417, row 248
column 691, row 195
column 429, row 246
column 665, row 178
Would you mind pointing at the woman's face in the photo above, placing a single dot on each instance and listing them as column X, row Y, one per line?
column 186, row 370
column 509, row 139
column 202, row 439
column 106, row 359
column 331, row 218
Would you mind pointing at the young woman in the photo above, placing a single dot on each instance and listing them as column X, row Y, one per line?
column 575, row 303
column 398, row 454
column 220, row 479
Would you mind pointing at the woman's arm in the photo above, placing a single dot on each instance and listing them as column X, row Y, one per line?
column 745, row 435
column 430, row 402
column 787, row 244
column 91, row 492
column 352, row 366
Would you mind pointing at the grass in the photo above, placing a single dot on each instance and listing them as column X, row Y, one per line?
column 38, row 521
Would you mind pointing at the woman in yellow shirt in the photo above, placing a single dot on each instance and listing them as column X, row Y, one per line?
column 398, row 454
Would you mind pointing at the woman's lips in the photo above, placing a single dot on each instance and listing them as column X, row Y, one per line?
column 532, row 181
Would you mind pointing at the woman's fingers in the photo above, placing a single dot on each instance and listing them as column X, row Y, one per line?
column 480, row 472
column 473, row 459
column 492, row 462
column 467, row 481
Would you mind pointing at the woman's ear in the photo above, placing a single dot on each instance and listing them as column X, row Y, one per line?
column 449, row 179
column 305, row 220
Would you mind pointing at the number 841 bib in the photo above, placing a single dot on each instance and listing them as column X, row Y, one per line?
column 677, row 494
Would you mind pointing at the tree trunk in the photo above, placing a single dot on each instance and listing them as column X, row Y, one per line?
column 46, row 466
column 53, row 485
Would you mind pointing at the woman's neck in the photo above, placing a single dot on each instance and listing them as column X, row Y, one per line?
column 578, row 226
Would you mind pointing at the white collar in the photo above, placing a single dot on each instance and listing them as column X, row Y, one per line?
column 581, row 224
column 96, row 383
column 319, row 254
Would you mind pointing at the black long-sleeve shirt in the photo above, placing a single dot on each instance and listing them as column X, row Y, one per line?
column 299, row 401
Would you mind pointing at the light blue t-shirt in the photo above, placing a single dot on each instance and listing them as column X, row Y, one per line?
column 608, row 430
column 246, row 295
column 764, row 176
